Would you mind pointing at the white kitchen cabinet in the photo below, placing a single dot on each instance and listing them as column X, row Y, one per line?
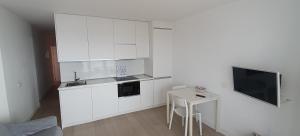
column 71, row 37
column 146, row 93
column 125, row 45
column 124, row 32
column 161, row 86
column 105, row 100
column 162, row 52
column 142, row 39
column 125, row 51
column 76, row 106
column 101, row 38
column 130, row 103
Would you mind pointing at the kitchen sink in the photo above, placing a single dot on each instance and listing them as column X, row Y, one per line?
column 76, row 83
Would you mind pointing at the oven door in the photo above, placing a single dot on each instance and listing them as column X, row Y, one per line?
column 129, row 89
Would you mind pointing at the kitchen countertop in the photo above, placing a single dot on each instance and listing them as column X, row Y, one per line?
column 100, row 81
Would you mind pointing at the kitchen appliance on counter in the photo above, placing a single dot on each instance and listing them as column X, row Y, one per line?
column 129, row 89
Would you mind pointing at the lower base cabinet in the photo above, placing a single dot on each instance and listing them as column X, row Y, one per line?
column 86, row 104
column 146, row 93
column 76, row 106
column 130, row 103
column 105, row 100
column 161, row 86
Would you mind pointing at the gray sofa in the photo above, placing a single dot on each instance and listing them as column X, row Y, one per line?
column 40, row 127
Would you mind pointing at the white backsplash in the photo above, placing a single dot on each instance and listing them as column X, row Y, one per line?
column 100, row 69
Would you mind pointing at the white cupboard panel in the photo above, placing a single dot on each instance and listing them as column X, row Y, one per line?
column 124, row 32
column 125, row 52
column 71, row 37
column 142, row 39
column 127, row 104
column 161, row 86
column 105, row 100
column 76, row 106
column 101, row 38
column 162, row 53
column 146, row 93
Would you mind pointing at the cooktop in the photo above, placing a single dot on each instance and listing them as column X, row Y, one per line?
column 125, row 78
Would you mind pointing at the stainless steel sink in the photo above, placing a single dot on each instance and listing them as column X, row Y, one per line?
column 76, row 83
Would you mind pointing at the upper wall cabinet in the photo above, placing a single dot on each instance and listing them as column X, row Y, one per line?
column 142, row 39
column 123, row 51
column 124, row 32
column 101, row 38
column 81, row 38
column 125, row 45
column 71, row 36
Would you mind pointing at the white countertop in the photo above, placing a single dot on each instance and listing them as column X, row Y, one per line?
column 100, row 81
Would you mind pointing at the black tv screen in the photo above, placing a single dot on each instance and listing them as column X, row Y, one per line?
column 262, row 85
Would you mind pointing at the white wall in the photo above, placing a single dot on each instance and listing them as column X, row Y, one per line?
column 19, row 66
column 99, row 69
column 4, row 110
column 260, row 34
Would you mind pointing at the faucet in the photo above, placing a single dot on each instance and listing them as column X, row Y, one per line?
column 75, row 77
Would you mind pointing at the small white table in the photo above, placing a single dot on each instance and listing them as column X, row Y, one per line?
column 190, row 95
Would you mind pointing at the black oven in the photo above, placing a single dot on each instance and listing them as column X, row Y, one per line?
column 129, row 89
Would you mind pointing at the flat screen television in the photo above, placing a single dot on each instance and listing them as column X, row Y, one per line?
column 258, row 84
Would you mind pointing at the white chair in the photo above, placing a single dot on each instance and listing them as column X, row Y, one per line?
column 180, row 107
column 179, row 87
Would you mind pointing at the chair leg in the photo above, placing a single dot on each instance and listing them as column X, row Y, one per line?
column 200, row 124
column 182, row 121
column 171, row 117
column 197, row 118
column 186, row 126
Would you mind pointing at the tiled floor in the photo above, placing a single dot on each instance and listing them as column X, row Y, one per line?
column 151, row 122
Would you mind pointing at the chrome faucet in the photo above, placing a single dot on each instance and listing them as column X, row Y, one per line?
column 75, row 77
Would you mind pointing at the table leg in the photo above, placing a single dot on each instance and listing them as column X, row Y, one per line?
column 190, row 119
column 168, row 108
column 217, row 115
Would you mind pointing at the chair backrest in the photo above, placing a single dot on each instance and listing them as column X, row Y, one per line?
column 179, row 102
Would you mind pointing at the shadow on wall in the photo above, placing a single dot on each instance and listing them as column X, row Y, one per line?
column 43, row 41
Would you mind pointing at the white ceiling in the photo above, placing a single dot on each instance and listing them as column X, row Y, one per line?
column 40, row 11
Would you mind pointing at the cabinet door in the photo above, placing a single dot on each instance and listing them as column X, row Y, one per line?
column 105, row 100
column 161, row 86
column 71, row 37
column 101, row 38
column 130, row 103
column 76, row 106
column 162, row 53
column 125, row 52
column 146, row 93
column 142, row 39
column 124, row 32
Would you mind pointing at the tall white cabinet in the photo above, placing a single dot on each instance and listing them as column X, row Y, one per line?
column 100, row 38
column 71, row 36
column 162, row 52
column 159, row 65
